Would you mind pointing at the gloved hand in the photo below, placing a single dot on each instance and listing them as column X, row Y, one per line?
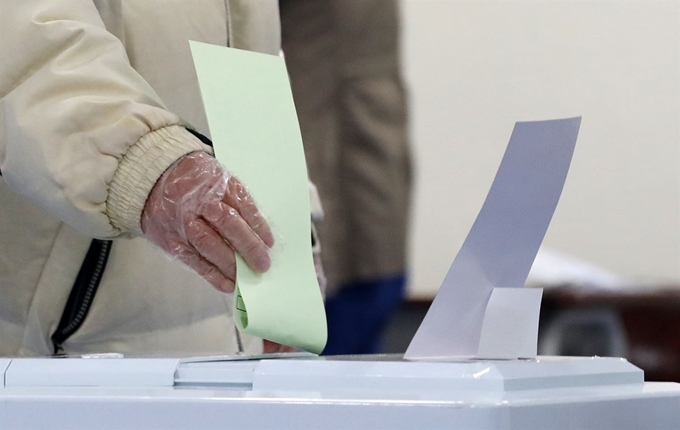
column 200, row 214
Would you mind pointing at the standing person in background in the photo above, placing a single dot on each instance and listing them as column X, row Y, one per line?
column 342, row 57
column 102, row 136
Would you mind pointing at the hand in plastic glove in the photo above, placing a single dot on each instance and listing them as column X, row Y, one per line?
column 200, row 214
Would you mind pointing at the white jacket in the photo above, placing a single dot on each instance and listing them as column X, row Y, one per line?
column 94, row 98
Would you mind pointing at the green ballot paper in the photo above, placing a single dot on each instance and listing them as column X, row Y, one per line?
column 256, row 135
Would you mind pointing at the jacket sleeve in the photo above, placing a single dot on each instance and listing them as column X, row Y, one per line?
column 81, row 132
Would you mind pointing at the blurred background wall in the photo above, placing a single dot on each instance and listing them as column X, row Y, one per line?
column 474, row 68
column 611, row 258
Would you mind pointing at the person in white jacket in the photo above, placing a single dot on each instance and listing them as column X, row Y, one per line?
column 102, row 135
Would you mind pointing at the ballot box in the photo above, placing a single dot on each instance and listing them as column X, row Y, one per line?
column 301, row 391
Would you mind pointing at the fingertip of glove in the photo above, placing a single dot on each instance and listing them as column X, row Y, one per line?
column 265, row 262
column 227, row 286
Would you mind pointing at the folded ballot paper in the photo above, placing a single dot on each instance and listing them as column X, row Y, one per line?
column 255, row 134
column 482, row 310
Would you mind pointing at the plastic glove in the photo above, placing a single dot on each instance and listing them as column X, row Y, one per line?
column 200, row 214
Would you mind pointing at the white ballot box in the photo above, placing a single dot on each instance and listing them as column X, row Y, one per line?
column 308, row 392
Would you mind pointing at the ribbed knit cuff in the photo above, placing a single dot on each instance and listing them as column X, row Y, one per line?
column 139, row 170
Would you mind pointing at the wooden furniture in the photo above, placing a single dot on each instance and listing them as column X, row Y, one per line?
column 648, row 315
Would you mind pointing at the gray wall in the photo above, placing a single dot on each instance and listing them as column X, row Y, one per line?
column 476, row 67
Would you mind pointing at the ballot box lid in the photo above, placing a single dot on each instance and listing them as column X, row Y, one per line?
column 306, row 372
column 392, row 373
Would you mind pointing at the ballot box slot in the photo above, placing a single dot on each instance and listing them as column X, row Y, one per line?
column 216, row 374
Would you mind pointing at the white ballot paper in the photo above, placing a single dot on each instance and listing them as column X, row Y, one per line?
column 482, row 309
